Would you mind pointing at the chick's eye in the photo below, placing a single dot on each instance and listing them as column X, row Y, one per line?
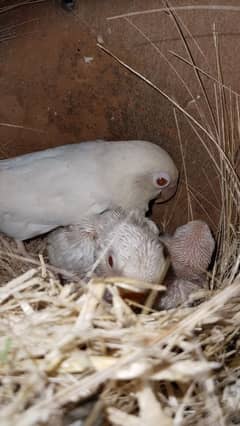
column 110, row 261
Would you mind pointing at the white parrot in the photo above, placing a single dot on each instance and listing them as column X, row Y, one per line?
column 59, row 186
column 190, row 248
column 114, row 243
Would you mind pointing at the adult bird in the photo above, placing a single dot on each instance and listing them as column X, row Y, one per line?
column 62, row 185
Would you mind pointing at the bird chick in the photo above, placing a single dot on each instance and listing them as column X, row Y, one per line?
column 190, row 249
column 114, row 243
column 178, row 291
column 47, row 189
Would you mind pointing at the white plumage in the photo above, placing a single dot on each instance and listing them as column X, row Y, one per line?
column 190, row 249
column 115, row 243
column 56, row 187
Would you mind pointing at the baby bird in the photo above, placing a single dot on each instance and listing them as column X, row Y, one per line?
column 114, row 243
column 47, row 189
column 190, row 249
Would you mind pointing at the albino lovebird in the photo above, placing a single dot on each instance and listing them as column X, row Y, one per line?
column 114, row 243
column 190, row 249
column 56, row 187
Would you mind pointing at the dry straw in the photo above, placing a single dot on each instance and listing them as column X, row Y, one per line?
column 68, row 357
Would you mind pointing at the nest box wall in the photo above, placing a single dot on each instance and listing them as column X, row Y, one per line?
column 61, row 88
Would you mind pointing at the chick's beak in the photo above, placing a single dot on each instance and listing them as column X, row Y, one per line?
column 167, row 192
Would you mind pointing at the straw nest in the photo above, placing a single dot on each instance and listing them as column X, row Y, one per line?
column 69, row 357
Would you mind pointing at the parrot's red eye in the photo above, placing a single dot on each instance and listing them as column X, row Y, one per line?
column 162, row 181
column 110, row 261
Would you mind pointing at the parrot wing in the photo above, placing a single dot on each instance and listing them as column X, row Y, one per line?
column 43, row 190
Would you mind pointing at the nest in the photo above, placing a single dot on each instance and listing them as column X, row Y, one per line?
column 68, row 357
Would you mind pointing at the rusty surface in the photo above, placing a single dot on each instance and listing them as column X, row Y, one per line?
column 58, row 85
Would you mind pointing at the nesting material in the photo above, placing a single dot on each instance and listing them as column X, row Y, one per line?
column 59, row 344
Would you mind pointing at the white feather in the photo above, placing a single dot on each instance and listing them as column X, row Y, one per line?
column 60, row 186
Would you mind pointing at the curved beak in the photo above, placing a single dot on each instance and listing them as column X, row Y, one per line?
column 167, row 193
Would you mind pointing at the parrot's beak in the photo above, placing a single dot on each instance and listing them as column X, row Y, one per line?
column 167, row 193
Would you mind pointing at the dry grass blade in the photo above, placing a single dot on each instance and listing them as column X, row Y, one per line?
column 223, row 8
column 17, row 126
column 13, row 6
column 190, row 210
column 205, row 73
column 179, row 108
column 164, row 57
column 179, row 25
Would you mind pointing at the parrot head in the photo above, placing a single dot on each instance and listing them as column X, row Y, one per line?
column 133, row 250
column 144, row 172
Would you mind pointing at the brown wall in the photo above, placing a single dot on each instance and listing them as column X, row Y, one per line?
column 47, row 84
